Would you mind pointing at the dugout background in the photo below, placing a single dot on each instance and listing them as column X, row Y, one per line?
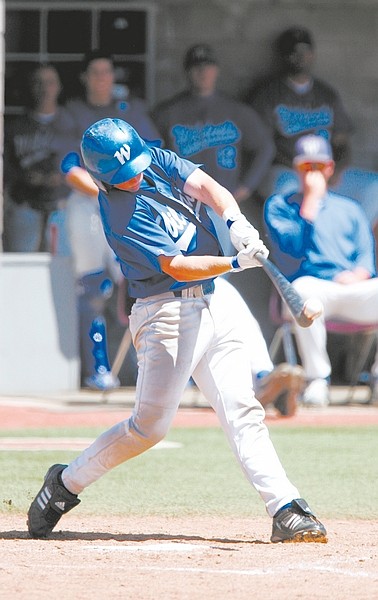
column 149, row 38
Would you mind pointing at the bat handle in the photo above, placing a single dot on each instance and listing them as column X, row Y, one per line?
column 302, row 320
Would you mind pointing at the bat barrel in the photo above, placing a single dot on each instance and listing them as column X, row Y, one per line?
column 287, row 292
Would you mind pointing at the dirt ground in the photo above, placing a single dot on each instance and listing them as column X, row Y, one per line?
column 154, row 558
column 183, row 559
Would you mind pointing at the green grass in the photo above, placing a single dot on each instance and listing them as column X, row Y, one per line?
column 335, row 469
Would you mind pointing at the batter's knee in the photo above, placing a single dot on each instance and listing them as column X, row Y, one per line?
column 150, row 428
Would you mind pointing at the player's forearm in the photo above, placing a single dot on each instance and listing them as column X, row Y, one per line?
column 80, row 180
column 194, row 268
column 314, row 190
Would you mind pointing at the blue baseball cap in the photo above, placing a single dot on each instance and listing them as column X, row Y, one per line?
column 312, row 148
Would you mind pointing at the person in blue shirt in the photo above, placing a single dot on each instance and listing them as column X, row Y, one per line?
column 323, row 243
column 153, row 209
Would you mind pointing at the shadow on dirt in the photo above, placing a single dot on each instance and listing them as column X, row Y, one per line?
column 91, row 536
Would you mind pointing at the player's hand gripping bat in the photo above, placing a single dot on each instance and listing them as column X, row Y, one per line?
column 303, row 312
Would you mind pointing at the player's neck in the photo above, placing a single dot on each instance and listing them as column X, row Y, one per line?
column 203, row 93
column 300, row 83
column 46, row 108
column 299, row 78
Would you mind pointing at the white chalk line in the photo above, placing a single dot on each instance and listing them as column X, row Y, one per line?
column 269, row 571
column 37, row 444
column 184, row 547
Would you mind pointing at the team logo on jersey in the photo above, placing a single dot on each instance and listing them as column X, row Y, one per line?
column 178, row 228
column 292, row 121
column 192, row 140
column 123, row 154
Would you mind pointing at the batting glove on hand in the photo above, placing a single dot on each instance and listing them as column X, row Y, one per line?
column 242, row 233
column 246, row 258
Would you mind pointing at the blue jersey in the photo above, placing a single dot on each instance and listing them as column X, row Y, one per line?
column 220, row 133
column 158, row 219
column 290, row 114
column 340, row 238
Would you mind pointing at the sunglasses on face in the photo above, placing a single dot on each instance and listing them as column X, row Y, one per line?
column 310, row 166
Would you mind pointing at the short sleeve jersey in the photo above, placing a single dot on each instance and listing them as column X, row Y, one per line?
column 159, row 219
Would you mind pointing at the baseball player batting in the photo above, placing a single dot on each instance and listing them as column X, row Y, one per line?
column 153, row 209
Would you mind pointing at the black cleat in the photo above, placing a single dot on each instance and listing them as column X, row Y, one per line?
column 52, row 501
column 297, row 523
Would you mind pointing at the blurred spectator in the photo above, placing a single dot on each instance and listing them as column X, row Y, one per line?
column 33, row 148
column 362, row 185
column 94, row 261
column 323, row 243
column 208, row 127
column 294, row 103
column 98, row 101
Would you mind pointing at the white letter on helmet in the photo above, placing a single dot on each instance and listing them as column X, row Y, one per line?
column 123, row 154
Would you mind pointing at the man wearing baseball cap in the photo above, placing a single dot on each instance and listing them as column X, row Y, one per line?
column 295, row 103
column 200, row 54
column 323, row 243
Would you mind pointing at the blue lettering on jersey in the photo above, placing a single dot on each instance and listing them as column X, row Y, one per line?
column 292, row 121
column 192, row 140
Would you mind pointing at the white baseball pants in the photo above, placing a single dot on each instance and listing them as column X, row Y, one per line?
column 174, row 339
column 356, row 303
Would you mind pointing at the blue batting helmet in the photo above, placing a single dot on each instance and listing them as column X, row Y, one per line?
column 113, row 152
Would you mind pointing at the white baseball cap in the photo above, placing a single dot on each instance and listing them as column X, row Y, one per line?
column 312, row 148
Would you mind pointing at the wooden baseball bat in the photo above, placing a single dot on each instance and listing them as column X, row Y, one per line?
column 287, row 292
column 121, row 353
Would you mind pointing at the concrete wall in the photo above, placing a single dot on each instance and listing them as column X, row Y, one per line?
column 38, row 324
